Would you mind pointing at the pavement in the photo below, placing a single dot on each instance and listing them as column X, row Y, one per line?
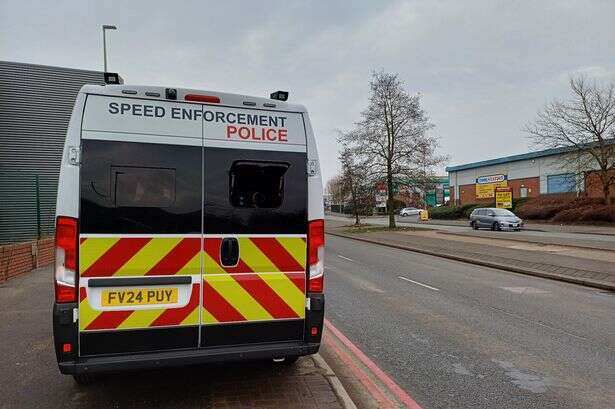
column 577, row 264
column 595, row 237
column 456, row 335
column 29, row 376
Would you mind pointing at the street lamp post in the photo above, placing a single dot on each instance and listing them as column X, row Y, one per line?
column 104, row 28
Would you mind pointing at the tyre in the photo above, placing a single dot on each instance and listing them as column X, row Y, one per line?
column 496, row 226
column 474, row 225
column 84, row 379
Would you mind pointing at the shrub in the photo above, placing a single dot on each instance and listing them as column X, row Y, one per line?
column 565, row 208
column 590, row 213
column 445, row 212
column 517, row 202
column 467, row 209
column 533, row 210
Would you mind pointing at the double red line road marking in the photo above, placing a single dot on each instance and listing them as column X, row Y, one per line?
column 380, row 386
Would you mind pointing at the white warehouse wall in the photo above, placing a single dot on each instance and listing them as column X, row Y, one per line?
column 521, row 169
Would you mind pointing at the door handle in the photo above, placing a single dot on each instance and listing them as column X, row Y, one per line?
column 229, row 252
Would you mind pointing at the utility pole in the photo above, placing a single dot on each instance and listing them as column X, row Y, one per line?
column 104, row 29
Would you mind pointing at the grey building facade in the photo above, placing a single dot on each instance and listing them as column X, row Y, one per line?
column 36, row 102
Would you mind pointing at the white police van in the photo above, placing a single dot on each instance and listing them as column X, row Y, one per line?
column 189, row 229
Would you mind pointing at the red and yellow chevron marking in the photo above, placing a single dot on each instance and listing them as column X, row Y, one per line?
column 268, row 283
column 137, row 256
column 90, row 319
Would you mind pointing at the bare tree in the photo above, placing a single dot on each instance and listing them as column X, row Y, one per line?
column 392, row 137
column 335, row 188
column 585, row 123
column 356, row 181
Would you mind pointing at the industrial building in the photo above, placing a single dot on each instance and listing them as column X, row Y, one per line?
column 36, row 102
column 531, row 174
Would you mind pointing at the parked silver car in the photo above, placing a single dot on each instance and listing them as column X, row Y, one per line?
column 495, row 219
column 409, row 211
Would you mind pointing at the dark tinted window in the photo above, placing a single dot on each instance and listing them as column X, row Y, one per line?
column 143, row 187
column 230, row 207
column 257, row 184
column 130, row 187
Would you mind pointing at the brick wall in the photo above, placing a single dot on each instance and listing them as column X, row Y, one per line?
column 593, row 185
column 532, row 185
column 21, row 258
column 467, row 195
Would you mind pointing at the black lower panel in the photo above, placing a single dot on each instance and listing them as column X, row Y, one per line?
column 142, row 340
column 251, row 332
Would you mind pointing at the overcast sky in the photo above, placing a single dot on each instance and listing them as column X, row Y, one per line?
column 483, row 68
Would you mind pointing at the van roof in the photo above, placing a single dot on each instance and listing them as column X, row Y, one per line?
column 157, row 93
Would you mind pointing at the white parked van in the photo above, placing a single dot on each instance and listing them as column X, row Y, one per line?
column 189, row 229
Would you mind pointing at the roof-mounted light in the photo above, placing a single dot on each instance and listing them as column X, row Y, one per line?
column 112, row 78
column 279, row 95
column 170, row 93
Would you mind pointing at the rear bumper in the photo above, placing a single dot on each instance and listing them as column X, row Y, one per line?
column 185, row 357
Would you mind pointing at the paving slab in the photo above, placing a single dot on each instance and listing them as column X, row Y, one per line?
column 29, row 376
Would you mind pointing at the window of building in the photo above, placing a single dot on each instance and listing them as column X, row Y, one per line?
column 562, row 183
column 256, row 184
column 143, row 187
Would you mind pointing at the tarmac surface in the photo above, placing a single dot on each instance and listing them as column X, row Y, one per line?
column 456, row 335
column 506, row 250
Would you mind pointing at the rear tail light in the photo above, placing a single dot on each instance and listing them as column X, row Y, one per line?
column 316, row 253
column 66, row 259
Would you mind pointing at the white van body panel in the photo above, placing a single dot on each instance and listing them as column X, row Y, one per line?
column 315, row 199
column 137, row 119
column 196, row 208
column 67, row 203
column 133, row 128
column 99, row 120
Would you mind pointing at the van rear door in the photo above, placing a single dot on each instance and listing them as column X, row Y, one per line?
column 140, row 227
column 193, row 226
column 255, row 226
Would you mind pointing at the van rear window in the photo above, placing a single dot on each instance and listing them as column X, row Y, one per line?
column 257, row 184
column 140, row 188
column 143, row 187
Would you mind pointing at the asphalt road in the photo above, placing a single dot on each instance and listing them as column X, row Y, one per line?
column 455, row 335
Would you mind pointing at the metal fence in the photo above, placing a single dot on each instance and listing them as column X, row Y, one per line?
column 27, row 205
column 36, row 102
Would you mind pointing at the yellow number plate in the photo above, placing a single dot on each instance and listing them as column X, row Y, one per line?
column 139, row 296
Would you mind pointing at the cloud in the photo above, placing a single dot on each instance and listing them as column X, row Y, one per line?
column 483, row 68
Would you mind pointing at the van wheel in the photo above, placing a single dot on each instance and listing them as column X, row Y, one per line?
column 496, row 226
column 84, row 379
column 474, row 226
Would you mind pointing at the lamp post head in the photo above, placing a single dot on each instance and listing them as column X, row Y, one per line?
column 108, row 27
